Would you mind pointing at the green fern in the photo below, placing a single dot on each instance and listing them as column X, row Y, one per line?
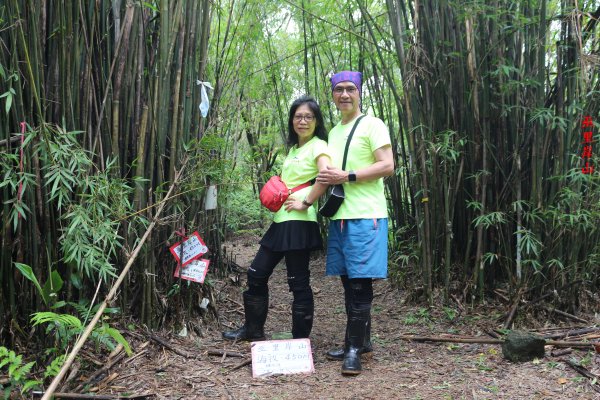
column 49, row 317
column 54, row 368
column 66, row 326
column 17, row 373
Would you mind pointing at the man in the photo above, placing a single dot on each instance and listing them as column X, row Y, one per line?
column 357, row 239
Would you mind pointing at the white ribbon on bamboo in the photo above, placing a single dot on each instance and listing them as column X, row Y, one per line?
column 204, row 104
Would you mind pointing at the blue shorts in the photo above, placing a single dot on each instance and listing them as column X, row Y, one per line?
column 358, row 248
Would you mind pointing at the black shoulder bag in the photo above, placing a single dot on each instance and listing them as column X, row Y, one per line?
column 335, row 193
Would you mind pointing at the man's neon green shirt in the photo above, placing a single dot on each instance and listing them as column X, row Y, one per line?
column 365, row 199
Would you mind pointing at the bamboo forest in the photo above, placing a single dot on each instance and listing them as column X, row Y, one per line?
column 130, row 128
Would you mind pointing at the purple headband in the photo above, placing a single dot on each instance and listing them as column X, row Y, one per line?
column 351, row 76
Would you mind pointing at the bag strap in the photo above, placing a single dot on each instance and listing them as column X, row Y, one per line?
column 305, row 184
column 348, row 141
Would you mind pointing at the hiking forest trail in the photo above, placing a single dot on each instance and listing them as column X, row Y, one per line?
column 397, row 370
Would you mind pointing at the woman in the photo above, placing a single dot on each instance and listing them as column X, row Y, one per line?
column 294, row 232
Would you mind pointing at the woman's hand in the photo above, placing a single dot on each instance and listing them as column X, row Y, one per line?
column 293, row 203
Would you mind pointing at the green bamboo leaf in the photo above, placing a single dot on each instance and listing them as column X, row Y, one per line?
column 28, row 273
column 58, row 304
column 150, row 6
column 52, row 285
column 76, row 280
column 8, row 103
column 116, row 335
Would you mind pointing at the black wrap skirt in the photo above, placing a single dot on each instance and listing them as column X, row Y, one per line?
column 293, row 235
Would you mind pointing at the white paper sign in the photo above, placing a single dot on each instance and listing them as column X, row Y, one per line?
column 194, row 271
column 189, row 249
column 273, row 357
column 210, row 200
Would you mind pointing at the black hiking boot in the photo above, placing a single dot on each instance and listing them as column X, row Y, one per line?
column 365, row 352
column 357, row 328
column 255, row 313
column 302, row 320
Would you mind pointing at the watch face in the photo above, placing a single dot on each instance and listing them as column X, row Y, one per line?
column 352, row 177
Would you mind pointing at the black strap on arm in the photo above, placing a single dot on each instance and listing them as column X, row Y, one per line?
column 348, row 141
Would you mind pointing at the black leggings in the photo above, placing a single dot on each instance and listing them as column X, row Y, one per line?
column 358, row 292
column 298, row 274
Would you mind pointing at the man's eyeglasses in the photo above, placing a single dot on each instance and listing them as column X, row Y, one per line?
column 339, row 90
column 307, row 118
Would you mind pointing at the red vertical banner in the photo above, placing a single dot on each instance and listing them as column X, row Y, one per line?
column 587, row 127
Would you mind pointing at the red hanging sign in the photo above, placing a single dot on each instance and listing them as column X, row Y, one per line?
column 189, row 249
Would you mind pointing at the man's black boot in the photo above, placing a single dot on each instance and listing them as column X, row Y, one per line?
column 357, row 329
column 337, row 354
column 255, row 313
column 302, row 320
column 365, row 351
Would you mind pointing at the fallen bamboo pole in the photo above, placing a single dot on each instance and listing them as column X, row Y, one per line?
column 217, row 352
column 486, row 341
column 80, row 396
column 113, row 291
column 169, row 346
column 572, row 332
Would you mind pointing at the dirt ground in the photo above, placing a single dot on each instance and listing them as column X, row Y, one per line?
column 398, row 369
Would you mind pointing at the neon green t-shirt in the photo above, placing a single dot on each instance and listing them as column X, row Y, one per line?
column 365, row 199
column 300, row 166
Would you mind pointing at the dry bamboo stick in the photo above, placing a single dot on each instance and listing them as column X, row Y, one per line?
column 485, row 341
column 571, row 333
column 111, row 294
column 240, row 365
column 100, row 371
column 566, row 315
column 169, row 346
column 217, row 352
column 583, row 371
column 557, row 343
column 59, row 395
column 449, row 339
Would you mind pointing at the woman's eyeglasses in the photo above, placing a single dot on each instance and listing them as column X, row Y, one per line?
column 339, row 90
column 307, row 118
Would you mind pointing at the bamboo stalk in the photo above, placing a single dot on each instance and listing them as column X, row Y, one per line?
column 176, row 133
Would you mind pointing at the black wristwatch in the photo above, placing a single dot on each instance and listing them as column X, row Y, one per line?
column 351, row 176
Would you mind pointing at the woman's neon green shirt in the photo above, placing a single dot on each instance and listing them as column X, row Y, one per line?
column 300, row 166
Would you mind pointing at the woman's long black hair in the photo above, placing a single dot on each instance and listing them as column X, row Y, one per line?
column 316, row 110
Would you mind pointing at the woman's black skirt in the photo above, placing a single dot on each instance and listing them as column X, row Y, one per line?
column 293, row 235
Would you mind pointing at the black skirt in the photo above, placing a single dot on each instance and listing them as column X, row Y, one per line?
column 293, row 235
